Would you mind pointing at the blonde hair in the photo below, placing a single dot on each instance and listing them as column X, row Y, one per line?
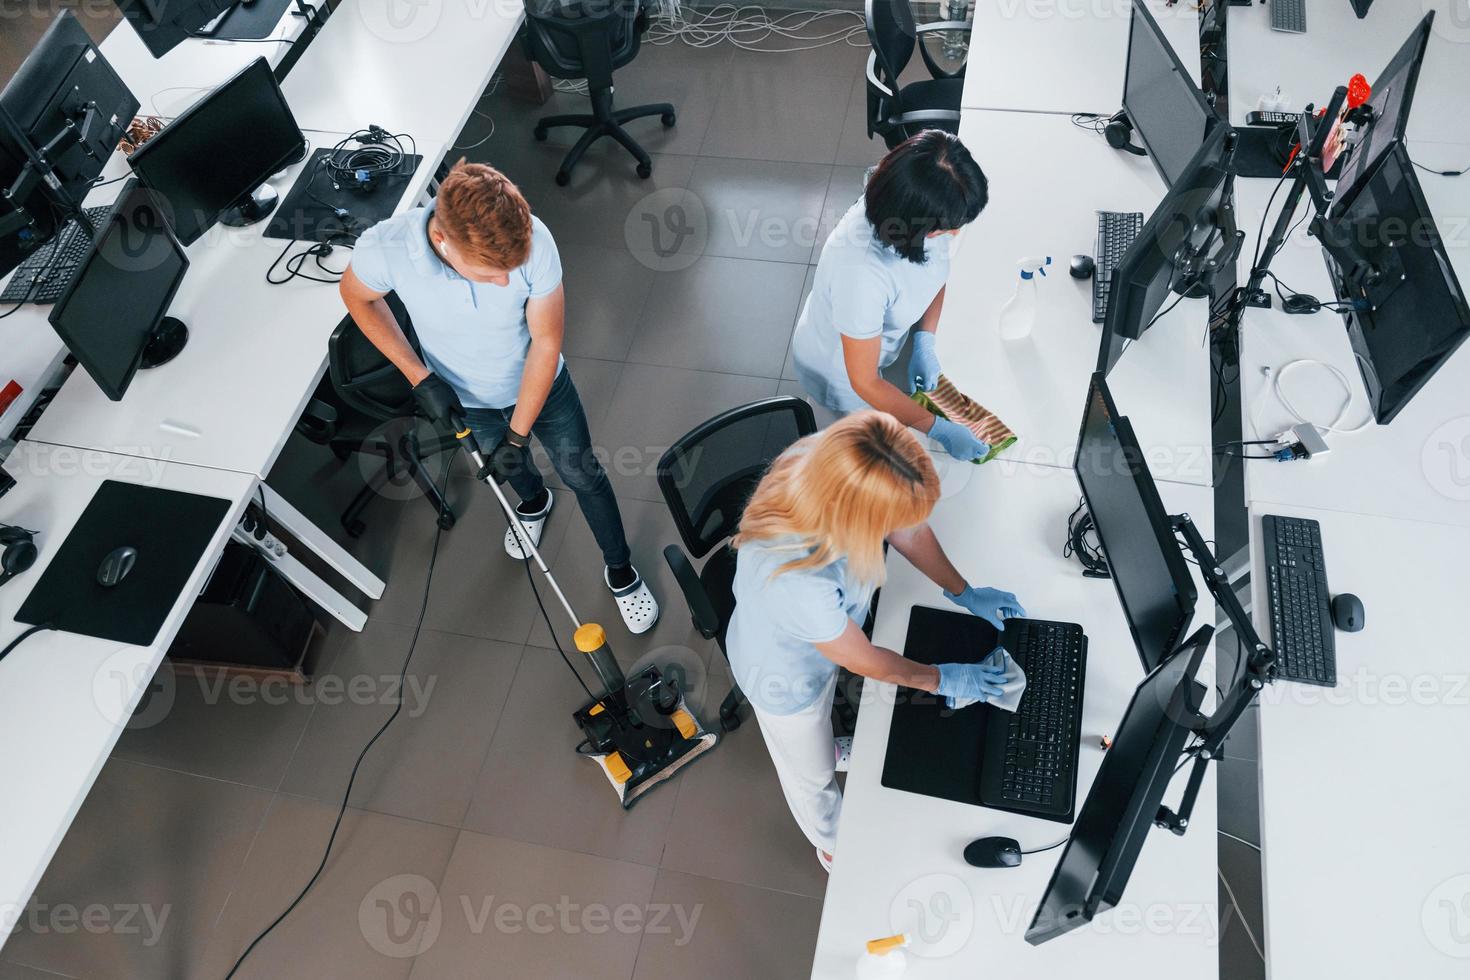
column 842, row 491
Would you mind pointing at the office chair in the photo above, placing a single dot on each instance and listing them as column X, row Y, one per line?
column 897, row 111
column 588, row 39
column 706, row 479
column 365, row 405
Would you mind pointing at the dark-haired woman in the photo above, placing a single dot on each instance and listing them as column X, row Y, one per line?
column 881, row 275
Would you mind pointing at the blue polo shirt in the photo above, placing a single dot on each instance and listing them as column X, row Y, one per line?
column 474, row 335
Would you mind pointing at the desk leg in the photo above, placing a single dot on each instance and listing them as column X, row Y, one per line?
column 313, row 537
column 307, row 582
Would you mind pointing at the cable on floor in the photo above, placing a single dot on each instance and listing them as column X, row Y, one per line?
column 752, row 28
column 1233, row 901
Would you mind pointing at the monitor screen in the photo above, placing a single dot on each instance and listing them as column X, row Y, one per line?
column 1391, row 99
column 1121, row 805
column 1165, row 106
column 245, row 131
column 1404, row 331
column 1147, row 568
column 121, row 291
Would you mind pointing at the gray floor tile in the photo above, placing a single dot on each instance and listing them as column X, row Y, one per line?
column 1244, row 740
column 731, row 822
column 159, row 852
column 606, row 291
column 729, row 916
column 423, row 765
column 757, row 118
column 656, row 405
column 843, row 190
column 825, row 416
column 855, row 146
column 603, row 204
column 761, row 209
column 519, row 910
column 788, row 368
column 728, row 315
column 534, row 787
column 1241, row 912
column 15, row 971
column 1239, row 799
column 796, row 66
column 362, row 918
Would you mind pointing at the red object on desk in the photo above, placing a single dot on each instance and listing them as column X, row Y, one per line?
column 9, row 394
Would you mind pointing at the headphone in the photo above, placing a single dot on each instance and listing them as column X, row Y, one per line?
column 20, row 551
column 1119, row 133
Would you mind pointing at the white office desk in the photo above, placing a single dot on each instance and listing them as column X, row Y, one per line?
column 416, row 68
column 64, row 699
column 1417, row 467
column 254, row 356
column 1043, row 202
column 1063, row 55
column 166, row 86
column 1337, row 45
column 900, row 852
column 1365, row 860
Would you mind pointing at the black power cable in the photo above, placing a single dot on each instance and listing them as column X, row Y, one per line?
column 23, row 637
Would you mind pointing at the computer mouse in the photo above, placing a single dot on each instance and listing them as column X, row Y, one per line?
column 1347, row 612
column 116, row 566
column 993, row 852
column 1082, row 266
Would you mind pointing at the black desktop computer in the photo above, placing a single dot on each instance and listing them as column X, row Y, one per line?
column 163, row 25
column 112, row 316
column 1123, row 803
column 1161, row 101
column 1137, row 537
column 61, row 116
column 1403, row 305
column 245, row 131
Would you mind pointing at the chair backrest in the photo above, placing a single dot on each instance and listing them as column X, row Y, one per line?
column 583, row 38
column 893, row 34
column 364, row 379
column 707, row 477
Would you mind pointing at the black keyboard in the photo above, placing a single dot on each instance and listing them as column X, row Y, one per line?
column 1301, row 612
column 1030, row 760
column 1289, row 16
column 45, row 273
column 1115, row 232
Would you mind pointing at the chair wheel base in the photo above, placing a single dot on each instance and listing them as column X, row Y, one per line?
column 729, row 721
column 563, row 178
column 645, row 170
column 354, row 529
column 446, row 521
column 667, row 119
column 540, row 134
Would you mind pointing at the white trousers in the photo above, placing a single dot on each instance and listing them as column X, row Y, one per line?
column 803, row 750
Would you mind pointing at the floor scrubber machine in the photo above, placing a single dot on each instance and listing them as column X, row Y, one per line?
column 639, row 731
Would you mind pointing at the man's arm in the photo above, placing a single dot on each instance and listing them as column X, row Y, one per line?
column 861, row 359
column 380, row 327
column 546, row 316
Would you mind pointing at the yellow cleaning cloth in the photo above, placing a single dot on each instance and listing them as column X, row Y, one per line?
column 948, row 402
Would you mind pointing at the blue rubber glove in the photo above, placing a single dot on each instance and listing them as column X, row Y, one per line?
column 923, row 363
column 992, row 605
column 958, row 441
column 969, row 682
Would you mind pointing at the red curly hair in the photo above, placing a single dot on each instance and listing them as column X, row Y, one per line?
column 484, row 215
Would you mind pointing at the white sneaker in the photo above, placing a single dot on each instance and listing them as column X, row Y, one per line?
column 637, row 605
column 531, row 527
column 843, row 745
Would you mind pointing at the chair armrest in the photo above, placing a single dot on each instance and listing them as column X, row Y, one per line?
column 944, row 25
column 318, row 422
column 925, row 115
column 935, row 71
column 701, row 610
column 872, row 73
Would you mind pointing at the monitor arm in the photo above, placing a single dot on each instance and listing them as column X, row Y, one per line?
column 38, row 169
column 1259, row 670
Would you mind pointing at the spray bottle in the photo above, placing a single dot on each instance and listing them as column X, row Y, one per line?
column 1018, row 316
column 884, row 959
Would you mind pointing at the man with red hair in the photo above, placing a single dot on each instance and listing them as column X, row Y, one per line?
column 481, row 279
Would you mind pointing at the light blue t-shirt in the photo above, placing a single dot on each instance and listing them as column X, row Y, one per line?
column 862, row 289
column 474, row 335
column 778, row 620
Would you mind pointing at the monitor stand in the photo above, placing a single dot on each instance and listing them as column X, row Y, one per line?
column 168, row 338
column 256, row 207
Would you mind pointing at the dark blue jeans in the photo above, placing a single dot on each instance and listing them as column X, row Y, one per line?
column 563, row 432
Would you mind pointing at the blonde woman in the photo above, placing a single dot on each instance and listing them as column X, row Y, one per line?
column 810, row 556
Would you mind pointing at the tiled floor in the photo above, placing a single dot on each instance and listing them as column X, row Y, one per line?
column 476, row 843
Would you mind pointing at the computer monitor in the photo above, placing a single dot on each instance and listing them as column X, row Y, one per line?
column 1190, row 236
column 1405, row 310
column 112, row 314
column 1125, row 797
column 211, row 163
column 1144, row 560
column 1165, row 106
column 1391, row 99
column 66, row 111
column 164, row 24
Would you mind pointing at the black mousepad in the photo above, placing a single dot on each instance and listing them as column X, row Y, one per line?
column 307, row 213
column 934, row 750
column 254, row 21
column 1262, row 151
column 170, row 530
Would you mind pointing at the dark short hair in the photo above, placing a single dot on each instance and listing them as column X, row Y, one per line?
column 927, row 183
